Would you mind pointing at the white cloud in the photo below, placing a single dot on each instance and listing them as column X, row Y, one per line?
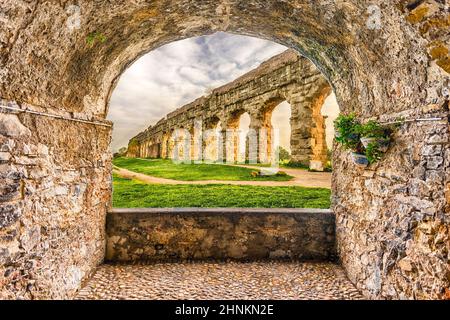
column 178, row 73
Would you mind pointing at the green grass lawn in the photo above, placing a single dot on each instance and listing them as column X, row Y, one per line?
column 134, row 194
column 192, row 172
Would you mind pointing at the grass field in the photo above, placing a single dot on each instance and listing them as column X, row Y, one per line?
column 192, row 172
column 134, row 194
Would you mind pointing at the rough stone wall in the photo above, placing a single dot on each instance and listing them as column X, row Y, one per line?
column 382, row 58
column 240, row 234
column 54, row 192
column 392, row 218
column 286, row 76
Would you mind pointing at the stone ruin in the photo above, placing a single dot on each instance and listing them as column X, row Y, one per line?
column 285, row 77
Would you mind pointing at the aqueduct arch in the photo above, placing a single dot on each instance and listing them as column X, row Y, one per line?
column 384, row 60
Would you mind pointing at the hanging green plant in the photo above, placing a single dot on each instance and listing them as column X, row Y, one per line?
column 347, row 131
column 368, row 142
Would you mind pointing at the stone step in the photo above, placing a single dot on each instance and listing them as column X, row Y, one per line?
column 221, row 234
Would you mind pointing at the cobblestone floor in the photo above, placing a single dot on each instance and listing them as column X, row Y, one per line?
column 231, row 280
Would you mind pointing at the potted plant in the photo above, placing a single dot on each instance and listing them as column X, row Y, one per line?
column 368, row 142
column 347, row 130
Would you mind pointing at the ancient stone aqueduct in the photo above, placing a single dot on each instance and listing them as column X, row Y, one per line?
column 384, row 59
column 286, row 77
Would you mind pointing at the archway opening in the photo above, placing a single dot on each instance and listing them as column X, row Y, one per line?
column 242, row 122
column 213, row 141
column 281, row 122
column 243, row 142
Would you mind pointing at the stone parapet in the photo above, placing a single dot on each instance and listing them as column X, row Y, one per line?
column 222, row 233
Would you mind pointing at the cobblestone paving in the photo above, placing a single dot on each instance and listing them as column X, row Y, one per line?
column 231, row 280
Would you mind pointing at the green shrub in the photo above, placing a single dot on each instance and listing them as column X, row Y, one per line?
column 294, row 164
column 349, row 133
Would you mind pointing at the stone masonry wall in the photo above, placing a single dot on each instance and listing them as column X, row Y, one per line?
column 54, row 192
column 240, row 234
column 396, row 242
column 287, row 76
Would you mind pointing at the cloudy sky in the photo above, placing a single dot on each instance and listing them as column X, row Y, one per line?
column 178, row 73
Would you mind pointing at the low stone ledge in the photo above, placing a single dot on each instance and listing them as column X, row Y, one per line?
column 168, row 234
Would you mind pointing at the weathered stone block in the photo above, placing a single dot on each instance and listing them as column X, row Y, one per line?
column 316, row 165
column 434, row 162
column 7, row 146
column 11, row 126
column 31, row 238
column 9, row 189
column 432, row 150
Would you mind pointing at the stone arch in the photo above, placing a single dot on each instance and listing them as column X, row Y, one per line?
column 318, row 129
column 242, row 144
column 380, row 66
column 182, row 144
column 330, row 111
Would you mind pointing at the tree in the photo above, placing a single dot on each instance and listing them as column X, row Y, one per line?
column 283, row 154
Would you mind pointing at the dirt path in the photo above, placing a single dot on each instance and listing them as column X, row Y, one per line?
column 301, row 178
